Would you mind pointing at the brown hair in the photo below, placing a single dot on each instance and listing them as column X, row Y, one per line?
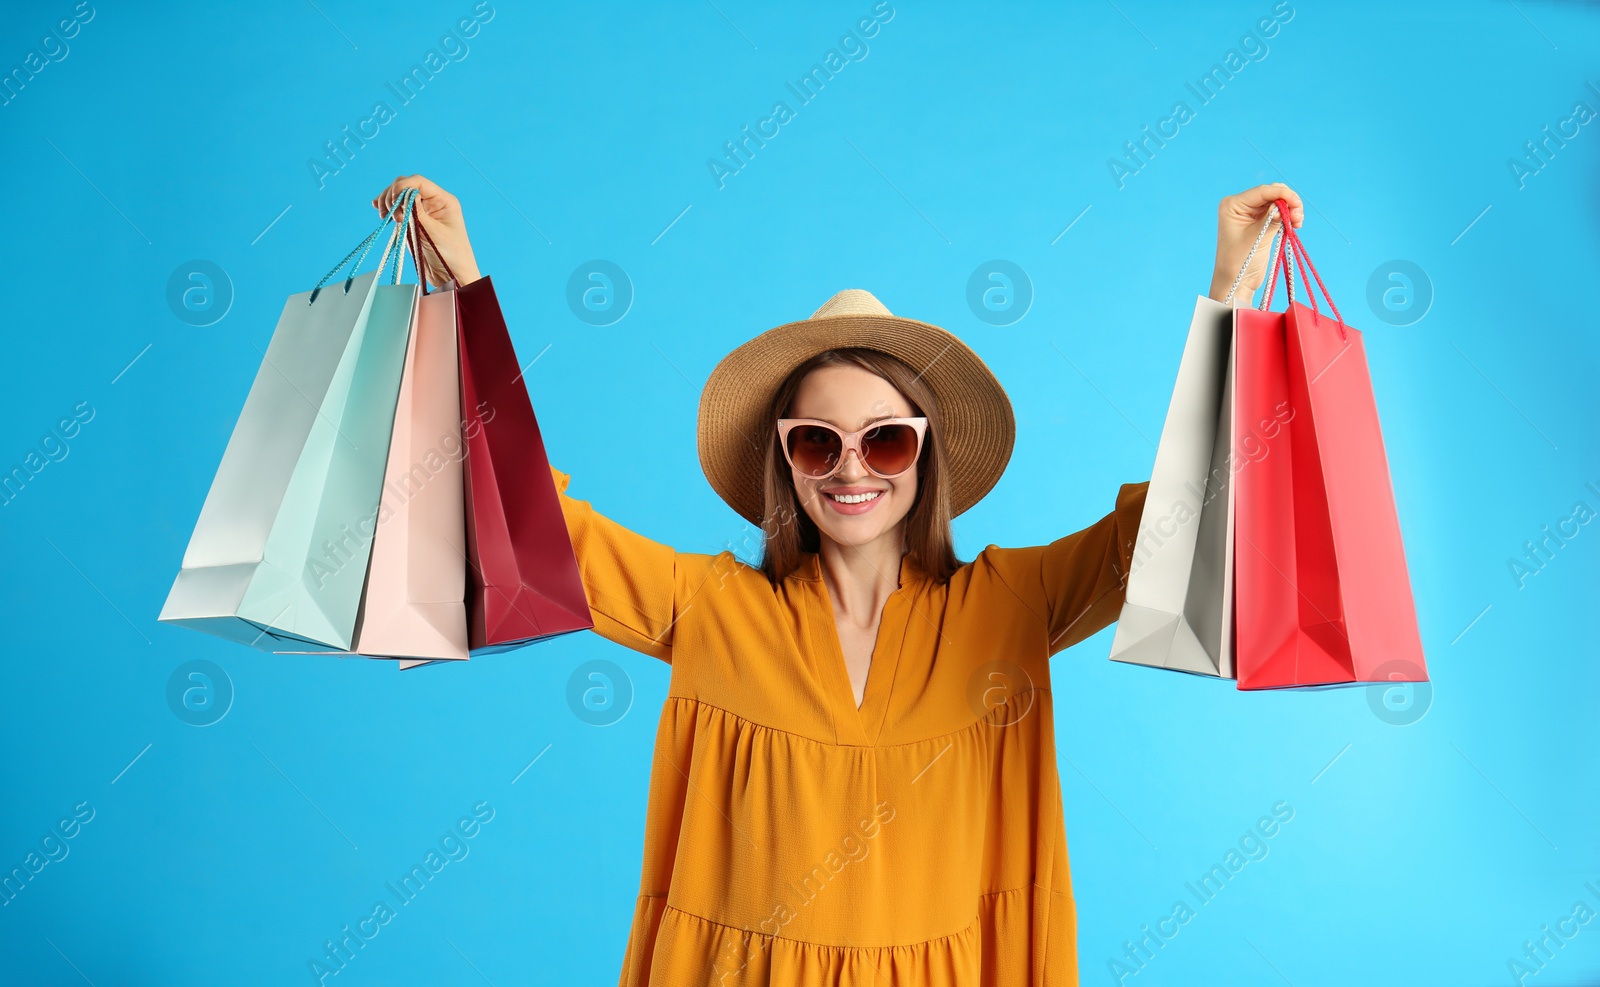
column 787, row 531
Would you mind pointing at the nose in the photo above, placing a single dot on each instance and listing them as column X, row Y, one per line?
column 852, row 467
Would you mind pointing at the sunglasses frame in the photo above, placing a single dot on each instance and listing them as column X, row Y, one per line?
column 849, row 441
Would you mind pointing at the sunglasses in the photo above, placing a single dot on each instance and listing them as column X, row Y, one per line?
column 887, row 448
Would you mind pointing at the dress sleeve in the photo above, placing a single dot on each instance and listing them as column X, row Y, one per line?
column 1076, row 583
column 629, row 579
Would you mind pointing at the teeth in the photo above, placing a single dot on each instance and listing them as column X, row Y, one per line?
column 856, row 498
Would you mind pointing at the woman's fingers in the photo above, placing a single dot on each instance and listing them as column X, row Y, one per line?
column 1253, row 204
column 435, row 201
column 438, row 203
column 1239, row 227
column 438, row 213
column 387, row 198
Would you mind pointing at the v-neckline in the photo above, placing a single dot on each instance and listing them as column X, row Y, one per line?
column 862, row 724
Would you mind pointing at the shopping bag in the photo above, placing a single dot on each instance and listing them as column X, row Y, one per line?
column 1323, row 595
column 524, row 584
column 1174, row 610
column 414, row 605
column 279, row 553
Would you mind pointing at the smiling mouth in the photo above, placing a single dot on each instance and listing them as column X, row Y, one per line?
column 860, row 498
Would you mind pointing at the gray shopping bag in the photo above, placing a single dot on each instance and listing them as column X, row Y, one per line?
column 1178, row 603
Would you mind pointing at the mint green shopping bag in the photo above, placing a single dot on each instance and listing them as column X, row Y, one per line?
column 279, row 553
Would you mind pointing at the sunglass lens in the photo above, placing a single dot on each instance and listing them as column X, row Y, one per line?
column 890, row 449
column 814, row 450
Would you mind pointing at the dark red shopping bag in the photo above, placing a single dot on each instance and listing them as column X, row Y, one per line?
column 524, row 580
column 1322, row 591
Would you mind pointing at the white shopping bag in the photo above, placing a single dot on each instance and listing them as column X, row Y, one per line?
column 1177, row 610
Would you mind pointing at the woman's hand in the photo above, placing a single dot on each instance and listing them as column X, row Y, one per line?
column 438, row 212
column 1239, row 219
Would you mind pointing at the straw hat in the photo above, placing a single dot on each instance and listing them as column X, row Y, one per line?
column 974, row 412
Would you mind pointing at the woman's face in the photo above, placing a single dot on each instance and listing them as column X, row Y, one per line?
column 850, row 397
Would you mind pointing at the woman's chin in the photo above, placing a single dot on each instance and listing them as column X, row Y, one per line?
column 850, row 535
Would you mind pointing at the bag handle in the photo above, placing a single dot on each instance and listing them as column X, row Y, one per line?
column 1237, row 278
column 364, row 246
column 412, row 222
column 1273, row 265
column 1276, row 266
column 1292, row 247
column 1304, row 260
column 417, row 252
column 397, row 239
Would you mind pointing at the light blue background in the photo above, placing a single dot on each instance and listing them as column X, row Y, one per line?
column 1425, row 854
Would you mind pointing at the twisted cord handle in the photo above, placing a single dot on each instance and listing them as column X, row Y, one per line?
column 1293, row 247
column 1248, row 258
column 436, row 251
column 364, row 246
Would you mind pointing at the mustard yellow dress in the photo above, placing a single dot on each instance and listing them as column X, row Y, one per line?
column 794, row 839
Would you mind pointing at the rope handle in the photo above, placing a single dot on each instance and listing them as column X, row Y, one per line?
column 416, row 252
column 1278, row 265
column 361, row 247
column 397, row 243
column 1306, row 265
column 364, row 246
column 1272, row 267
column 413, row 219
column 413, row 222
column 1292, row 247
column 1237, row 278
column 436, row 252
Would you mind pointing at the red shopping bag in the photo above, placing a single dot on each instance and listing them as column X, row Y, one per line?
column 1322, row 592
column 523, row 580
column 524, row 575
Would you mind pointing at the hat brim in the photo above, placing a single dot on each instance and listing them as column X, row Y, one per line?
column 974, row 411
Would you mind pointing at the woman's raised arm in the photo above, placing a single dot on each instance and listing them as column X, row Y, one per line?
column 1076, row 584
column 631, row 581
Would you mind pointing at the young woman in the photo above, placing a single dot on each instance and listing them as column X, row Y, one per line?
column 854, row 778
